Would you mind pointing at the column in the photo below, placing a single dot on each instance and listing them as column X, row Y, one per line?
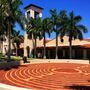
column 32, row 13
column 73, row 53
column 48, row 53
column 40, row 15
column 25, row 44
column 84, row 54
column 26, row 14
column 31, row 54
column 64, row 53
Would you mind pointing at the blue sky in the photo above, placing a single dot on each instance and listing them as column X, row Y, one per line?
column 80, row 7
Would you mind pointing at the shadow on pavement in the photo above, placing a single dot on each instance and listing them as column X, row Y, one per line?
column 78, row 87
column 9, row 65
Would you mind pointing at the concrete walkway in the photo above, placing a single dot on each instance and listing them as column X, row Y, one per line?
column 59, row 61
column 9, row 87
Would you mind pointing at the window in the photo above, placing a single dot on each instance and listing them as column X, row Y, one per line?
column 28, row 14
column 36, row 15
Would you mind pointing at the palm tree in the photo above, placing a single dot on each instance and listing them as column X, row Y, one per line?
column 55, row 19
column 72, row 28
column 34, row 27
column 2, row 38
column 17, row 39
column 2, row 24
column 46, row 28
column 11, row 15
column 2, row 15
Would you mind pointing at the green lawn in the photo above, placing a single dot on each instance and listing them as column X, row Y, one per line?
column 3, row 58
column 16, row 58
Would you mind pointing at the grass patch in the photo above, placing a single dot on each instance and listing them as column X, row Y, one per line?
column 3, row 58
column 16, row 58
column 30, row 58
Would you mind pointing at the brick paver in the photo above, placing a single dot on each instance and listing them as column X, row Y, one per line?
column 48, row 76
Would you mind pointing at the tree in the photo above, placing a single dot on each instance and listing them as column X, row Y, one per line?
column 55, row 20
column 34, row 28
column 2, row 38
column 46, row 28
column 72, row 28
column 17, row 39
column 11, row 15
column 2, row 25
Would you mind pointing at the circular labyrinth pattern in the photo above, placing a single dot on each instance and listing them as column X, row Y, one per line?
column 52, row 76
column 67, row 70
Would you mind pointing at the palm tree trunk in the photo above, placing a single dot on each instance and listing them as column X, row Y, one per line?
column 35, row 51
column 9, row 43
column 16, row 51
column 56, row 46
column 44, row 47
column 70, row 49
column 33, row 41
column 0, row 46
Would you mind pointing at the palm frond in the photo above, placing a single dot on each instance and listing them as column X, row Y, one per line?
column 82, row 28
column 77, row 19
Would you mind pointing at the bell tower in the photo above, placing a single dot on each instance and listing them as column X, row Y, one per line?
column 33, row 11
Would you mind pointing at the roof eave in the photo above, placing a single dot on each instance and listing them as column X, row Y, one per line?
column 33, row 6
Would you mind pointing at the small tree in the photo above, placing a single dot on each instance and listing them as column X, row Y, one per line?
column 17, row 39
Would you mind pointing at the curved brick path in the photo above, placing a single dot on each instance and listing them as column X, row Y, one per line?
column 48, row 76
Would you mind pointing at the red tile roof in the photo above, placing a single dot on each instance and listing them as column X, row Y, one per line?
column 86, row 45
column 87, row 40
